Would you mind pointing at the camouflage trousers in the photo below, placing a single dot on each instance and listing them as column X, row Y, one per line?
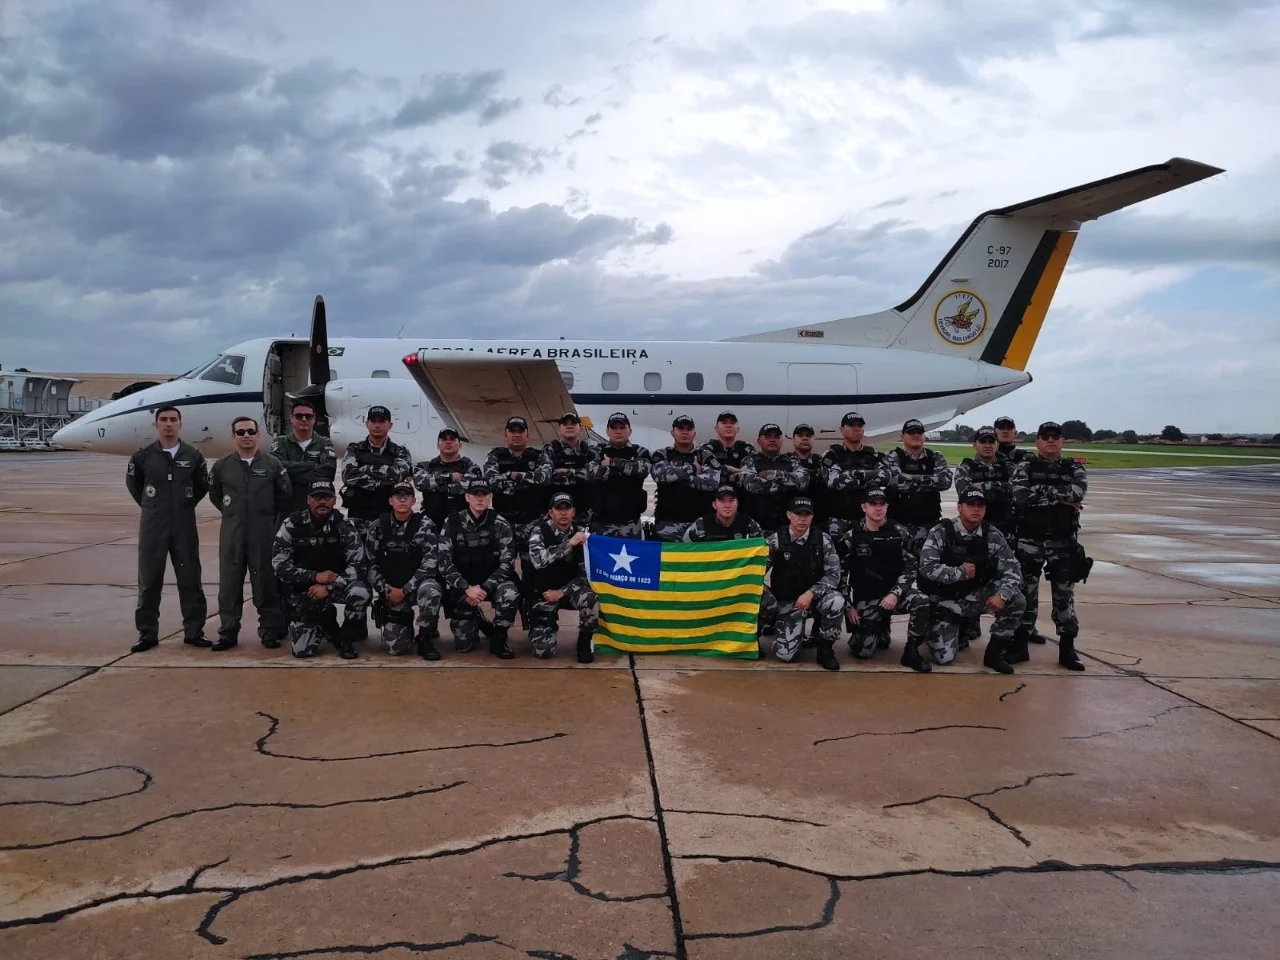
column 827, row 609
column 312, row 621
column 397, row 624
column 464, row 619
column 952, row 619
column 1052, row 558
column 544, row 619
column 871, row 632
column 670, row 531
column 628, row 531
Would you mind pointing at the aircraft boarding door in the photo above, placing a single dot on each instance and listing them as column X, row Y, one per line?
column 820, row 393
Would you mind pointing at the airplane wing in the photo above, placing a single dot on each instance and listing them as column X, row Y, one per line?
column 476, row 393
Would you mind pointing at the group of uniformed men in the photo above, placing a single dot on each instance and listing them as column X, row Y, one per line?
column 854, row 536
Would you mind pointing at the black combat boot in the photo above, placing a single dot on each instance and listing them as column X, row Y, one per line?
column 1017, row 651
column 346, row 649
column 1036, row 636
column 426, row 644
column 997, row 651
column 144, row 643
column 355, row 627
column 827, row 655
column 911, row 658
column 498, row 643
column 584, row 647
column 1067, row 656
column 225, row 643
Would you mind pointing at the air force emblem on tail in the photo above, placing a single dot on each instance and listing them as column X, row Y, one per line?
column 960, row 317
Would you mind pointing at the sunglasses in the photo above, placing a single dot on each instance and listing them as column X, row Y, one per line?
column 247, row 433
column 402, row 496
column 304, row 416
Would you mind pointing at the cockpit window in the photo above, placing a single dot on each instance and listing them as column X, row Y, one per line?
column 197, row 369
column 226, row 369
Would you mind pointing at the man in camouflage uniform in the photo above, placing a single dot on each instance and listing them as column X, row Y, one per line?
column 317, row 557
column 559, row 579
column 771, row 479
column 1049, row 490
column 252, row 492
column 992, row 473
column 724, row 522
column 565, row 464
column 966, row 567
column 852, row 468
column 1007, row 438
column 519, row 496
column 804, row 581
column 881, row 573
column 618, row 476
column 401, row 550
column 305, row 454
column 914, row 479
column 443, row 479
column 727, row 450
column 802, row 444
column 477, row 564
column 686, row 478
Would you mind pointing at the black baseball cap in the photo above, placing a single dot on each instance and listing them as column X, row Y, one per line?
column 479, row 485
column 517, row 423
column 561, row 499
column 912, row 424
column 801, row 505
column 770, row 428
column 1002, row 422
column 875, row 493
column 726, row 490
column 569, row 417
column 1049, row 428
column 321, row 488
column 684, row 420
column 802, row 428
column 448, row 432
column 985, row 433
column 852, row 419
column 404, row 486
column 378, row 413
column 618, row 419
column 727, row 416
column 973, row 495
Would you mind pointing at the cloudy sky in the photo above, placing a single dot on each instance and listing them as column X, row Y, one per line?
column 178, row 175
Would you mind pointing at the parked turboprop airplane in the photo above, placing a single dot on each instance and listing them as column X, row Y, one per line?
column 960, row 341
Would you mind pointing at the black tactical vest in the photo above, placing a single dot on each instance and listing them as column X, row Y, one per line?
column 846, row 504
column 955, row 552
column 915, row 507
column 562, row 458
column 371, row 504
column 437, row 504
column 796, row 567
column 875, row 561
column 1012, row 452
column 318, row 547
column 1055, row 521
column 528, row 501
column 679, row 502
column 619, row 499
column 740, row 529
column 817, row 491
column 770, row 509
column 400, row 555
column 729, row 456
column 561, row 571
column 475, row 547
column 999, row 505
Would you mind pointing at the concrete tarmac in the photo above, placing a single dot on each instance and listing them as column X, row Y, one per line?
column 186, row 804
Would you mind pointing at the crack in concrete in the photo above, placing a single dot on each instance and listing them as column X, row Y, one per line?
column 410, row 946
column 828, row 916
column 1009, row 693
column 1155, row 720
column 239, row 805
column 991, row 814
column 749, row 816
column 904, row 733
column 573, row 868
column 274, row 725
column 1093, row 651
column 147, row 781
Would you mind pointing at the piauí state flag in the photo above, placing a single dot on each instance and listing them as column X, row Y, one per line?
column 657, row 597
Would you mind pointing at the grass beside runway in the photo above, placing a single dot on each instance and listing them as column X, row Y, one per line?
column 1107, row 456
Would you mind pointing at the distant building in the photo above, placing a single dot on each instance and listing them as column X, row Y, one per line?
column 34, row 406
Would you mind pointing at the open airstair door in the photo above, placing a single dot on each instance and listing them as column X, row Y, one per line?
column 477, row 393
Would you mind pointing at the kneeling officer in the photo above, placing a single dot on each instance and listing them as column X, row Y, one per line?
column 805, row 583
column 402, row 551
column 966, row 565
column 560, row 580
column 478, row 563
column 317, row 557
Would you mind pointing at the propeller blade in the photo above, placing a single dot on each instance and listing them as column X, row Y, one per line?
column 319, row 369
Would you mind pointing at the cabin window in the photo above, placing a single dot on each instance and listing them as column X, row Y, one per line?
column 653, row 382
column 610, row 381
column 734, row 381
column 567, row 377
column 226, row 369
column 380, row 375
column 693, row 381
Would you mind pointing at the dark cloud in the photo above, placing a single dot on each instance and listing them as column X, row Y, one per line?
column 1134, row 240
column 452, row 94
column 504, row 159
column 593, row 118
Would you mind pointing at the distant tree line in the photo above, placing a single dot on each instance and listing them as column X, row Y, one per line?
column 1079, row 430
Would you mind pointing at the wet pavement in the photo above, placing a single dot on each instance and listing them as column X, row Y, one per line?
column 180, row 803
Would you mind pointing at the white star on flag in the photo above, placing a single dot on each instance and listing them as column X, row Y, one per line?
column 622, row 560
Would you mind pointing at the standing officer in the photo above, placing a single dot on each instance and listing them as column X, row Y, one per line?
column 559, row 579
column 305, row 454
column 727, row 449
column 991, row 473
column 914, row 478
column 167, row 479
column 881, row 582
column 443, row 479
column 317, row 556
column 966, row 567
column 686, row 479
column 401, row 551
column 252, row 491
column 852, row 468
column 802, row 444
column 724, row 522
column 566, row 463
column 1007, row 436
column 771, row 479
column 477, row 563
column 804, row 582
column 519, row 496
column 1049, row 490
column 618, row 476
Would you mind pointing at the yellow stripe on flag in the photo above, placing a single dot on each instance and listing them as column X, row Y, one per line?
column 626, row 630
column 714, row 556
column 741, row 590
column 722, row 646
column 710, row 576
column 669, row 613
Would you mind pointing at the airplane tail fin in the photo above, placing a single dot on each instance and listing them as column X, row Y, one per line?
column 987, row 299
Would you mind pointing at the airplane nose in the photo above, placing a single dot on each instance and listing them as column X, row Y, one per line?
column 73, row 436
